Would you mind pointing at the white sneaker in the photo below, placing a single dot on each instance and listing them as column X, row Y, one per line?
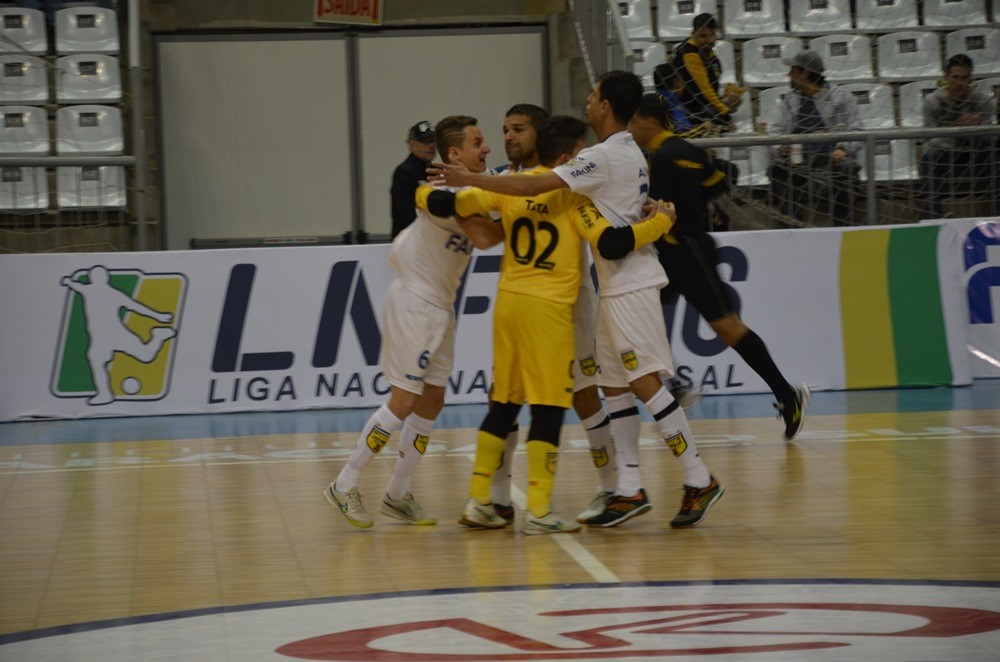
column 406, row 509
column 350, row 506
column 481, row 516
column 596, row 507
column 551, row 523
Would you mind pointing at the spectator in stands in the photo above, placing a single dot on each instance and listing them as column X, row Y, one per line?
column 700, row 69
column 958, row 103
column 668, row 87
column 817, row 170
column 407, row 174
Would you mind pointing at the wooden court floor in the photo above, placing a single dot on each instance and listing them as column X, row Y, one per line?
column 116, row 520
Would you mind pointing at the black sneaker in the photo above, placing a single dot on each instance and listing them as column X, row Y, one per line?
column 695, row 505
column 793, row 410
column 621, row 509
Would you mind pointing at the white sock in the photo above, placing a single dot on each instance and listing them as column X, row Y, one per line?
column 500, row 488
column 374, row 436
column 412, row 445
column 602, row 448
column 625, row 431
column 674, row 427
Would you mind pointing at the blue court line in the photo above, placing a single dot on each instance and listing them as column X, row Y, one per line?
column 982, row 394
column 76, row 628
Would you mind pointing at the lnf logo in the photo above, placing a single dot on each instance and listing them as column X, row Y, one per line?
column 983, row 278
column 116, row 340
column 346, row 298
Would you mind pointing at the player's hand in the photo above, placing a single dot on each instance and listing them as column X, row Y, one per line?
column 654, row 207
column 448, row 174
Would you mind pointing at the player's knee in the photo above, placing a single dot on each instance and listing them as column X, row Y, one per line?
column 500, row 419
column 546, row 423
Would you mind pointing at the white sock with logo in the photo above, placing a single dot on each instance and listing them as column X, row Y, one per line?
column 374, row 436
column 602, row 448
column 625, row 430
column 413, row 442
column 500, row 487
column 676, row 432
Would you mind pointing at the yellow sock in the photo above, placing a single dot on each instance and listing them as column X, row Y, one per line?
column 489, row 453
column 542, row 460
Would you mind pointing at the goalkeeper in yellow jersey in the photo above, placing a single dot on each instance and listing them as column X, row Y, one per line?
column 533, row 343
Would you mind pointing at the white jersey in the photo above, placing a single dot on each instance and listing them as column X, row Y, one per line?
column 430, row 256
column 615, row 176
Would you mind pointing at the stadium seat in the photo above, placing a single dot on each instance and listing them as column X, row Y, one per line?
column 874, row 16
column 992, row 87
column 822, row 17
column 909, row 55
column 25, row 80
column 89, row 129
column 23, row 189
column 875, row 105
column 911, row 102
column 727, row 58
column 88, row 78
column 894, row 159
column 24, row 130
column 23, row 31
column 747, row 19
column 762, row 60
column 848, row 58
column 743, row 117
column 90, row 187
column 674, row 17
column 86, row 30
column 980, row 44
column 647, row 56
column 954, row 13
column 767, row 103
column 637, row 16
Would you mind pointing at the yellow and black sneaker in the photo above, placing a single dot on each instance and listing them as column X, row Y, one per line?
column 793, row 410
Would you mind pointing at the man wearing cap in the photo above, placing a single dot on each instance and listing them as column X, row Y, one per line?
column 420, row 140
column 700, row 69
column 822, row 169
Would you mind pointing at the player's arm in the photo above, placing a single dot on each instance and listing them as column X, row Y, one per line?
column 615, row 243
column 74, row 285
column 469, row 207
column 456, row 174
column 699, row 75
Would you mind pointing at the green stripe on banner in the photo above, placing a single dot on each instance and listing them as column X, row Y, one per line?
column 917, row 316
column 869, row 350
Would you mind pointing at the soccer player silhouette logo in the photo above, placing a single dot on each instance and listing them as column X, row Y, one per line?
column 107, row 330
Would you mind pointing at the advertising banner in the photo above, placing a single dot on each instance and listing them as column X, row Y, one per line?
column 276, row 329
column 359, row 12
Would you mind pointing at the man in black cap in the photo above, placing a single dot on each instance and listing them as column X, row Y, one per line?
column 817, row 170
column 420, row 140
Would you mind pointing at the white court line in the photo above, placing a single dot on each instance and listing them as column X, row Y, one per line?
column 573, row 548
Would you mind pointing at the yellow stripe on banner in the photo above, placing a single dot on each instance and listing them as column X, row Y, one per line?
column 866, row 318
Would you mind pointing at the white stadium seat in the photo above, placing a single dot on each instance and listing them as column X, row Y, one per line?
column 886, row 15
column 762, row 60
column 911, row 102
column 954, row 13
column 23, row 80
column 746, row 19
column 909, row 55
column 727, row 59
column 89, row 129
column 637, row 16
column 848, row 58
column 90, row 187
column 86, row 30
column 23, row 31
column 768, row 102
column 88, row 78
column 23, row 189
column 647, row 56
column 875, row 104
column 819, row 16
column 24, row 130
column 752, row 162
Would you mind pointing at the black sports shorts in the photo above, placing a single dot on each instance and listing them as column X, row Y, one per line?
column 691, row 266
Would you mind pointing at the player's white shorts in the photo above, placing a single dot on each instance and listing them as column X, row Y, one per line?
column 631, row 337
column 418, row 340
column 585, row 367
